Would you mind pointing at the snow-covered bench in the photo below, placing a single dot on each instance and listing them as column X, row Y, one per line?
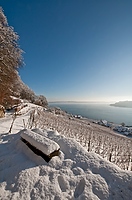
column 40, row 145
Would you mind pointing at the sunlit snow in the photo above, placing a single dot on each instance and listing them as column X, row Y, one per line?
column 74, row 174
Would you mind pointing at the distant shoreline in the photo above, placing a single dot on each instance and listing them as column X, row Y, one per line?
column 79, row 102
column 123, row 104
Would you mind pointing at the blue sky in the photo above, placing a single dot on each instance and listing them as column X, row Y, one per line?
column 75, row 49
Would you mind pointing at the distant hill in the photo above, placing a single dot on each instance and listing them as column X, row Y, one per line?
column 125, row 104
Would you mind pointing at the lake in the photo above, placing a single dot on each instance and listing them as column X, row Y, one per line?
column 98, row 111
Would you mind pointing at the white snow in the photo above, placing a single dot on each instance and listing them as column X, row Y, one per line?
column 42, row 143
column 74, row 174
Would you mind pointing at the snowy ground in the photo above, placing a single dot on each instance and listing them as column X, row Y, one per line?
column 74, row 174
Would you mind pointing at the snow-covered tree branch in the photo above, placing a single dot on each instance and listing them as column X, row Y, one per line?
column 10, row 57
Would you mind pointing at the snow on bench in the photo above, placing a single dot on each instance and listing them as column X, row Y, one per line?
column 40, row 145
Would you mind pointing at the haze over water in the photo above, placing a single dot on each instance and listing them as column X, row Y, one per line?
column 98, row 111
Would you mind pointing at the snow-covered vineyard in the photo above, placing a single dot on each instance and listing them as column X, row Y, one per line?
column 101, row 140
column 76, row 172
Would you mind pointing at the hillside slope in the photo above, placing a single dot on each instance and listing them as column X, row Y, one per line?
column 75, row 174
